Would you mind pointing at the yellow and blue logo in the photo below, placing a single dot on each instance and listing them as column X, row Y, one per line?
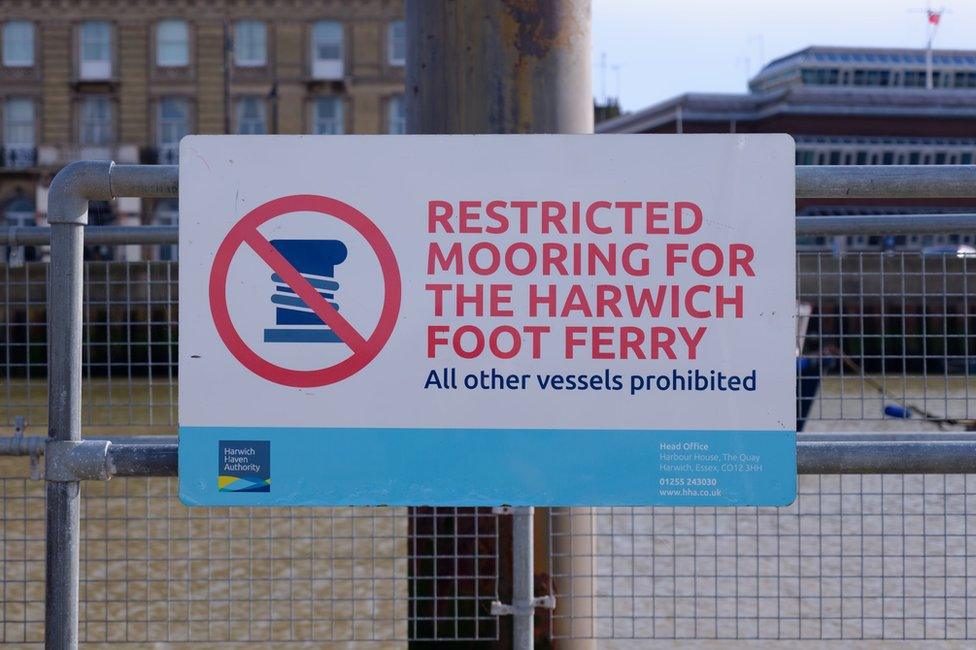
column 244, row 466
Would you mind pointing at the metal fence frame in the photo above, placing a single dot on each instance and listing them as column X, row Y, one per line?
column 70, row 459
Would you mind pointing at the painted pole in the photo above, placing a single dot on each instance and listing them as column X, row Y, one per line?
column 513, row 66
column 490, row 66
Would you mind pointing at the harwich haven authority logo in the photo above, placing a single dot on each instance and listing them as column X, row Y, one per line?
column 244, row 466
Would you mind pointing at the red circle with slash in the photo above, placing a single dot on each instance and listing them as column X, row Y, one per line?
column 364, row 349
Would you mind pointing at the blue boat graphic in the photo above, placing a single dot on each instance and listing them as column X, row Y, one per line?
column 316, row 260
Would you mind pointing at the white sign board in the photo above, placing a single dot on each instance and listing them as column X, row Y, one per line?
column 544, row 320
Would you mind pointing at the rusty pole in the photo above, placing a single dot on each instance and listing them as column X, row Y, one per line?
column 513, row 66
column 499, row 66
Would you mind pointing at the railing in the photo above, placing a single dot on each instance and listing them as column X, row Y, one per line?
column 14, row 157
column 52, row 155
column 865, row 552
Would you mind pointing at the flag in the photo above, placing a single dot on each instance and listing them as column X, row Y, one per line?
column 934, row 16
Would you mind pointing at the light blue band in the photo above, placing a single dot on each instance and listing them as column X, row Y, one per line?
column 541, row 467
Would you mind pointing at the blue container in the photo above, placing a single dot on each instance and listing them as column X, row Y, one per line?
column 897, row 411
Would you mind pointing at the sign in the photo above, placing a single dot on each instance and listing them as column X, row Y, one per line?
column 484, row 320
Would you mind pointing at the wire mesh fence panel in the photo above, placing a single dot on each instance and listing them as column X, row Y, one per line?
column 888, row 340
column 884, row 345
column 21, row 560
column 129, row 345
column 23, row 353
column 855, row 557
column 153, row 570
column 454, row 556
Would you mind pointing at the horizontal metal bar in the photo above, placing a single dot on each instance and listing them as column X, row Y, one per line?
column 21, row 445
column 109, row 235
column 825, row 182
column 149, row 181
column 872, row 457
column 834, row 453
column 887, row 436
column 912, row 224
column 158, row 459
column 886, row 181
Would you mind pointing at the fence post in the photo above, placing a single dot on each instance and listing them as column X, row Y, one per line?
column 71, row 189
column 523, row 578
column 67, row 214
column 483, row 66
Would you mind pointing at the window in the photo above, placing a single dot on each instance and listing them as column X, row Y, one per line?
column 166, row 213
column 914, row 79
column 250, row 116
column 18, row 44
column 396, row 43
column 95, row 126
column 250, row 44
column 328, row 116
column 397, row 115
column 172, row 44
column 872, row 77
column 821, row 76
column 95, row 50
column 172, row 124
column 18, row 132
column 18, row 212
column 327, row 50
column 804, row 157
column 965, row 80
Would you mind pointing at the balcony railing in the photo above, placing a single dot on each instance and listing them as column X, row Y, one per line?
column 168, row 155
column 15, row 157
column 56, row 155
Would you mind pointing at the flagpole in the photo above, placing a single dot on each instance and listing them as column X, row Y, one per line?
column 929, row 85
column 934, row 16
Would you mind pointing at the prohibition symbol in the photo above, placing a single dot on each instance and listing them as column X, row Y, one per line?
column 364, row 348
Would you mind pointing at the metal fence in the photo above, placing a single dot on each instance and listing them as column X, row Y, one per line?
column 858, row 556
column 878, row 556
column 153, row 570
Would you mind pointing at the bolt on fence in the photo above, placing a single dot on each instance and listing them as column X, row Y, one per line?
column 389, row 574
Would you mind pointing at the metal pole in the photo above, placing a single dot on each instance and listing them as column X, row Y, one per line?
column 68, row 198
column 523, row 578
column 929, row 85
column 886, row 224
column 68, row 213
column 490, row 66
column 928, row 452
column 824, row 182
column 886, row 182
column 874, row 457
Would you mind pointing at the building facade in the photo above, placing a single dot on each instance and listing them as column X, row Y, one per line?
column 126, row 79
column 845, row 106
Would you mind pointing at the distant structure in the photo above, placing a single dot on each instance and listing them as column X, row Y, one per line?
column 606, row 110
column 126, row 79
column 845, row 106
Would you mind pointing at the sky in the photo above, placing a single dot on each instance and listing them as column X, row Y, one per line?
column 656, row 50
